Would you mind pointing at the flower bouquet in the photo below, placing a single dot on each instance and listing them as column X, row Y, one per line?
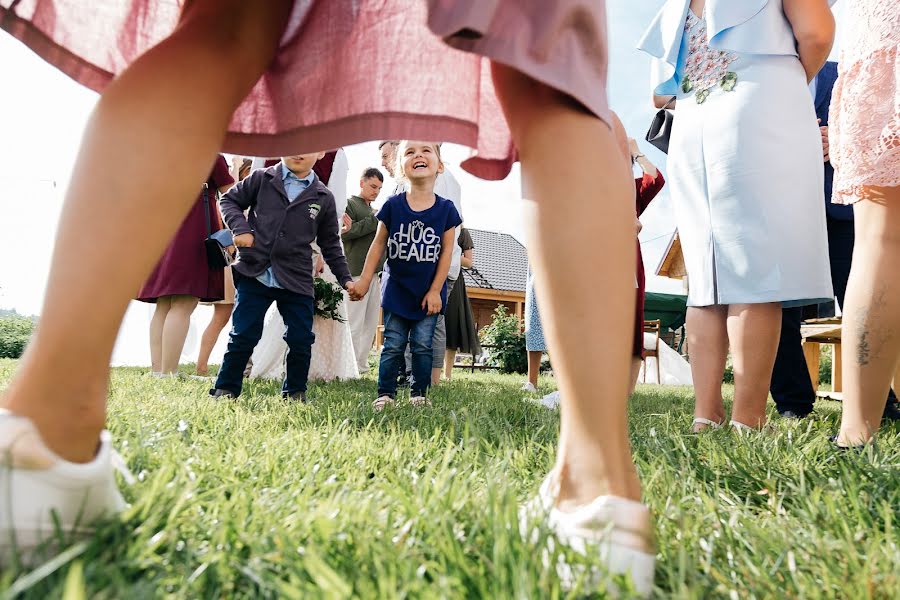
column 328, row 299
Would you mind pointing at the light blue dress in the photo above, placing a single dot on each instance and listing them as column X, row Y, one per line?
column 745, row 161
column 534, row 331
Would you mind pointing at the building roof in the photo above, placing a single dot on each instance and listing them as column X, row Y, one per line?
column 501, row 262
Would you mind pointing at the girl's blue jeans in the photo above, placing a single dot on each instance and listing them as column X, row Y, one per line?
column 398, row 332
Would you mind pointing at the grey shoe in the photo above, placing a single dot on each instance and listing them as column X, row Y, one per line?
column 220, row 393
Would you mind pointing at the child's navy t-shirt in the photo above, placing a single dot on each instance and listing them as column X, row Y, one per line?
column 413, row 251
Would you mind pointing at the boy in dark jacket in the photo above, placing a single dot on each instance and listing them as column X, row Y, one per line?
column 289, row 209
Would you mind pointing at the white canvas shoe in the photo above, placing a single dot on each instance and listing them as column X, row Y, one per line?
column 529, row 387
column 42, row 495
column 613, row 533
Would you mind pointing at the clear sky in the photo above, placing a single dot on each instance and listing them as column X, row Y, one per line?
column 42, row 115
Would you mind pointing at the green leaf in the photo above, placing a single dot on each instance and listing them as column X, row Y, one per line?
column 686, row 85
column 729, row 80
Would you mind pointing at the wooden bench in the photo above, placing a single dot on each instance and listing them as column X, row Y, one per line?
column 815, row 333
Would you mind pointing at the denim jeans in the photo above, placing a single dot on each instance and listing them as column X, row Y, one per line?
column 252, row 301
column 398, row 332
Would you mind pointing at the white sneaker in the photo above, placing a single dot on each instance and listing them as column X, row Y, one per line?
column 614, row 531
column 529, row 387
column 42, row 495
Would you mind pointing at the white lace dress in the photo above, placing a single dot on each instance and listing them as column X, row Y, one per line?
column 332, row 353
column 865, row 108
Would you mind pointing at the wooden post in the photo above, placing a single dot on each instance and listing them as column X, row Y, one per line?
column 811, row 352
column 379, row 332
column 837, row 364
column 519, row 311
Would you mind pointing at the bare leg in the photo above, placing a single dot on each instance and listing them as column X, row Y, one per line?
column 449, row 361
column 566, row 233
column 754, row 331
column 221, row 314
column 175, row 332
column 153, row 109
column 534, row 366
column 871, row 347
column 896, row 382
column 707, row 337
column 635, row 371
column 157, row 323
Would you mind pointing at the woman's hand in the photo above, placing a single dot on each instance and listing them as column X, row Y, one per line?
column 432, row 302
column 826, row 147
column 633, row 147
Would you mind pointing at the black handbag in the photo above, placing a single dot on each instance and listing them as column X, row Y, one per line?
column 216, row 244
column 661, row 127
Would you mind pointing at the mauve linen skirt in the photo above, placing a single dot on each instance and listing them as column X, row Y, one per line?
column 350, row 71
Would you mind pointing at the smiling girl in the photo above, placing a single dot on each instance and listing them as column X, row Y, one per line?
column 417, row 230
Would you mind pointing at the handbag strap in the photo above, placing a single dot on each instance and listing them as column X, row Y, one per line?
column 206, row 208
column 669, row 103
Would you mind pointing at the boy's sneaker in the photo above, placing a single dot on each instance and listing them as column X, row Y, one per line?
column 383, row 402
column 419, row 401
column 613, row 533
column 43, row 496
column 297, row 396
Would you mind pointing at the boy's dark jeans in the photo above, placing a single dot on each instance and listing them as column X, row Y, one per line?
column 397, row 333
column 252, row 300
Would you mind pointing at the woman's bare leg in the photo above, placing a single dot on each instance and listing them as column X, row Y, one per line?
column 157, row 324
column 178, row 321
column 589, row 333
column 534, row 366
column 707, row 337
column 112, row 231
column 871, row 336
column 221, row 314
column 449, row 361
column 635, row 371
column 754, row 331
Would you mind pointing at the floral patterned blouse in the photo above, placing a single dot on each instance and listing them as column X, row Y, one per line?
column 705, row 68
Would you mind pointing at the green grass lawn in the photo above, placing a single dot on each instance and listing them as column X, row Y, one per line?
column 263, row 498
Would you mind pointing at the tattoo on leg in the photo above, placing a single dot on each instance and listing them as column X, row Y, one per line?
column 862, row 349
column 871, row 342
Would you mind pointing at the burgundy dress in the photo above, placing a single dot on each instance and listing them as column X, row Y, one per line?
column 183, row 270
column 647, row 189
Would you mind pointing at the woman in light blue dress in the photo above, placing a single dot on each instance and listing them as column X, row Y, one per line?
column 534, row 336
column 745, row 169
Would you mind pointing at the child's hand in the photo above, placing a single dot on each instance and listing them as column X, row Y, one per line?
column 432, row 302
column 357, row 289
column 245, row 240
